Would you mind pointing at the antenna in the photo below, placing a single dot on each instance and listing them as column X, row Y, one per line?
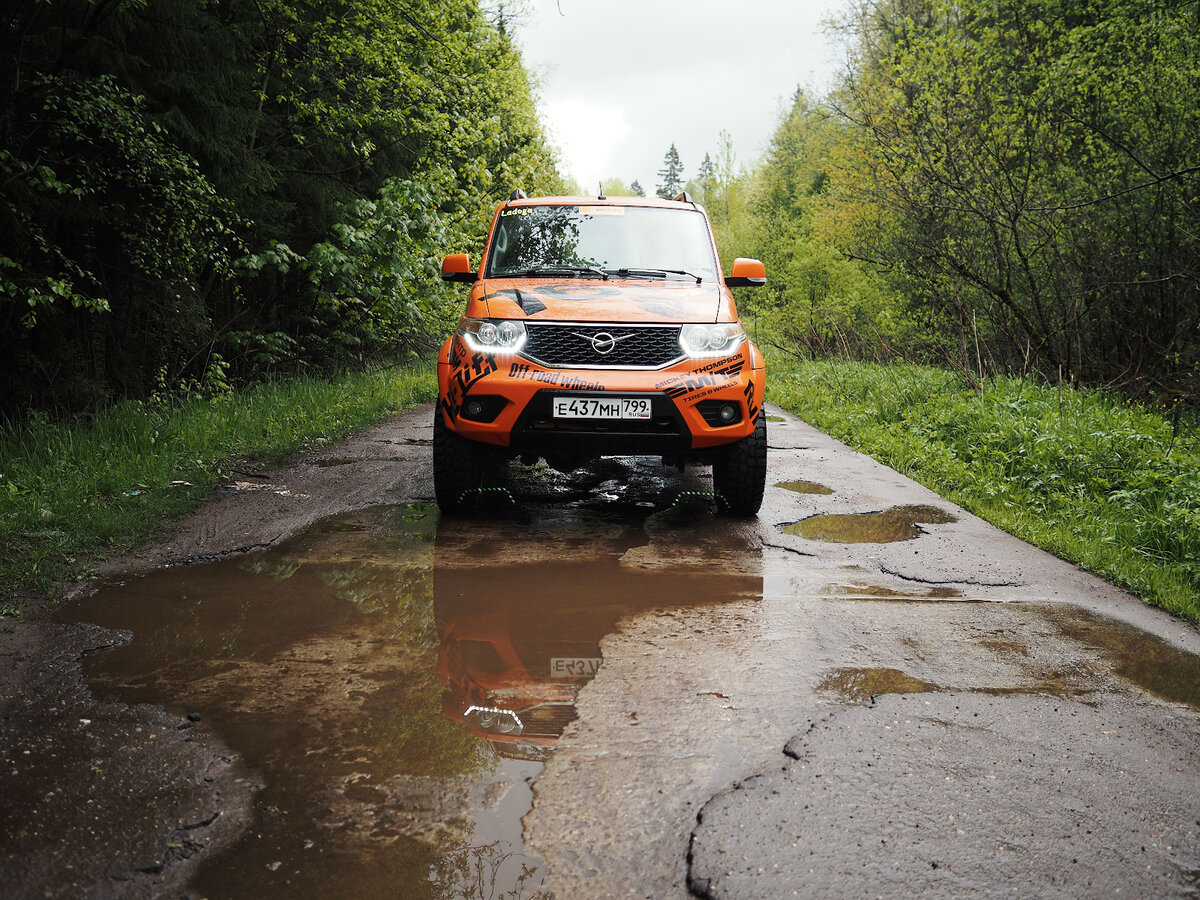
column 601, row 196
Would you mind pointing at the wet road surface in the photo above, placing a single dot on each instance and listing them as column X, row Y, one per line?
column 607, row 689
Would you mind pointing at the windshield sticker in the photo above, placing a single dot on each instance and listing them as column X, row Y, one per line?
column 602, row 210
column 517, row 211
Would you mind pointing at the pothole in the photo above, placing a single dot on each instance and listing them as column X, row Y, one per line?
column 861, row 684
column 901, row 523
column 1135, row 655
column 804, row 487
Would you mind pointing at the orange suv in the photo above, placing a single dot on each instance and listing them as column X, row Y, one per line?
column 600, row 327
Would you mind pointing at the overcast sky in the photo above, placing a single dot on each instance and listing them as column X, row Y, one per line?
column 620, row 80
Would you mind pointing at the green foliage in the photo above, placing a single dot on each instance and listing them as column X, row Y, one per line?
column 816, row 299
column 73, row 491
column 272, row 182
column 1028, row 176
column 1102, row 482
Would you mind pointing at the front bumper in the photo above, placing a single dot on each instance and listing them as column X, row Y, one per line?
column 515, row 395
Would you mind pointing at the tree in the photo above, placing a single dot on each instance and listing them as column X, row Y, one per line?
column 706, row 176
column 615, row 187
column 671, row 174
column 271, row 183
column 635, row 188
column 1034, row 175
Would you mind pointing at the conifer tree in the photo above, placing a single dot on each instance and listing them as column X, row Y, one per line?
column 707, row 176
column 671, row 174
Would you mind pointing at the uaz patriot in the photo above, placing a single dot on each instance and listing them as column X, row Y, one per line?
column 600, row 327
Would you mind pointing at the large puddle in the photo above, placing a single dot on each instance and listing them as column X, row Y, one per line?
column 396, row 682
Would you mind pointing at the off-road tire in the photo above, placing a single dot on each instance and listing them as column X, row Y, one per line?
column 458, row 466
column 740, row 472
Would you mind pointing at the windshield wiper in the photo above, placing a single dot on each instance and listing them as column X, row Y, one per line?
column 658, row 273
column 555, row 272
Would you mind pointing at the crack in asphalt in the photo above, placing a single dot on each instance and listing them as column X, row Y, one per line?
column 788, row 549
column 702, row 887
column 949, row 583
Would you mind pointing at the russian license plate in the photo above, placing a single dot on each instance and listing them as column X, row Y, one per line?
column 574, row 666
column 602, row 407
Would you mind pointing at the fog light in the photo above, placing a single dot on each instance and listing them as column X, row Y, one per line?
column 474, row 409
column 728, row 413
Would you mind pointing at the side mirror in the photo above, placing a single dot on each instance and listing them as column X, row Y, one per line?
column 457, row 267
column 747, row 273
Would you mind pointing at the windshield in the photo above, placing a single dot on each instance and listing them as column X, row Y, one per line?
column 634, row 240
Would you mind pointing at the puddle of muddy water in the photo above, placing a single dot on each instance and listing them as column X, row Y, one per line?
column 861, row 684
column 395, row 680
column 1137, row 656
column 901, row 523
column 804, row 487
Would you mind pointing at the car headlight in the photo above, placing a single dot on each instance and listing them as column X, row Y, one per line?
column 711, row 340
column 493, row 335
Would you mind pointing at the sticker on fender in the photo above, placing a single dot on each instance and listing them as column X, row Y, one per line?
column 602, row 407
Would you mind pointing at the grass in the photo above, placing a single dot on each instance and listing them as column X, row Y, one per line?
column 1104, row 483
column 71, row 493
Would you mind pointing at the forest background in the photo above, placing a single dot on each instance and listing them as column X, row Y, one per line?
column 206, row 192
column 198, row 192
column 203, row 195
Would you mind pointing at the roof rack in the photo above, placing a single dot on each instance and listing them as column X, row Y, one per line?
column 684, row 197
column 517, row 194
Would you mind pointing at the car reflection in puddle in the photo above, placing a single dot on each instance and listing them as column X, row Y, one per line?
column 520, row 635
column 363, row 670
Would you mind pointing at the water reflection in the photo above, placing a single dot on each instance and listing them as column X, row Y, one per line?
column 373, row 671
column 521, row 627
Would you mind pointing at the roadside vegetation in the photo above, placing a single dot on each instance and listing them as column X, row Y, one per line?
column 72, row 492
column 1098, row 480
column 243, row 190
column 996, row 190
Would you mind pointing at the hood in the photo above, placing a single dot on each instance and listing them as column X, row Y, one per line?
column 593, row 300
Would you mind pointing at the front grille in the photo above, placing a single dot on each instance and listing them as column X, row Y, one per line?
column 547, row 719
column 575, row 346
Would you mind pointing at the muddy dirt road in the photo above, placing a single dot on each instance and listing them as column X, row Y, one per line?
column 603, row 689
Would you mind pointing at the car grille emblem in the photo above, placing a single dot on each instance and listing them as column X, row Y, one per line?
column 602, row 342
